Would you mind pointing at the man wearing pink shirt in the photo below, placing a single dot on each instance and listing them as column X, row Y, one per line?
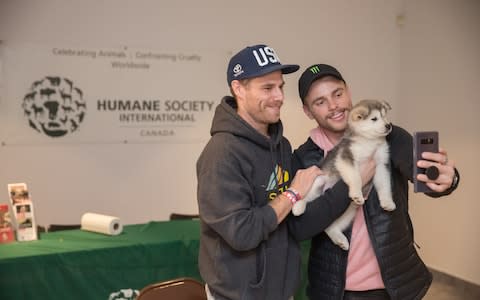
column 382, row 262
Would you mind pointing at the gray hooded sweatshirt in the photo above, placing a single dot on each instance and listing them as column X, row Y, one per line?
column 244, row 254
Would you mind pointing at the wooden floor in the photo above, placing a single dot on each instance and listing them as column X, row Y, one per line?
column 445, row 287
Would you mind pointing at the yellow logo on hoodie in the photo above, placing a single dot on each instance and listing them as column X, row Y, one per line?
column 277, row 181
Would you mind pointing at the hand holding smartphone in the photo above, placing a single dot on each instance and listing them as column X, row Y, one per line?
column 423, row 141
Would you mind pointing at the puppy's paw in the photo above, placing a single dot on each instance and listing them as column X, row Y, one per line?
column 388, row 205
column 342, row 242
column 357, row 198
column 299, row 207
column 338, row 238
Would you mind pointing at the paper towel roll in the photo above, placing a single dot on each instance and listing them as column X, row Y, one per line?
column 101, row 224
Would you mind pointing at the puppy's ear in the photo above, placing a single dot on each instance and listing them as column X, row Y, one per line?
column 386, row 105
column 359, row 113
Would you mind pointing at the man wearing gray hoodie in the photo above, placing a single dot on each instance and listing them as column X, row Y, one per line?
column 245, row 186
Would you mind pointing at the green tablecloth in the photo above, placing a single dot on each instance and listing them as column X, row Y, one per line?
column 83, row 265
column 76, row 264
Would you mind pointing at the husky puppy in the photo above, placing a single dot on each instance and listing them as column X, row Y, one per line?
column 364, row 138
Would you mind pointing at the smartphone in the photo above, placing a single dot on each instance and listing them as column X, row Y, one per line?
column 423, row 141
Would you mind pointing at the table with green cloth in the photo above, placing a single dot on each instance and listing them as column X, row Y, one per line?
column 77, row 264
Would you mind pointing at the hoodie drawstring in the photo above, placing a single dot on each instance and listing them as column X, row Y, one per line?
column 276, row 167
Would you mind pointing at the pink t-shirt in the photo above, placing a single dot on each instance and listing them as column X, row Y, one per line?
column 363, row 271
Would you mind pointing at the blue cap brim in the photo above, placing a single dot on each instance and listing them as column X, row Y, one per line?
column 286, row 69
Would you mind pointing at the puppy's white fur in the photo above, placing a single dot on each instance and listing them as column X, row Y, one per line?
column 363, row 139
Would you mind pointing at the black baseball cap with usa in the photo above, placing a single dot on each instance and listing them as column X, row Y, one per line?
column 255, row 61
column 313, row 73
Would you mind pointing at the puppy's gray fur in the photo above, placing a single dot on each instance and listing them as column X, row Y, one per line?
column 363, row 139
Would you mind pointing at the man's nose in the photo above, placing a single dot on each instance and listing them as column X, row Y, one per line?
column 278, row 94
column 332, row 104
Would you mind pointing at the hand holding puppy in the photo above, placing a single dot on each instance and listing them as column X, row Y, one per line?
column 302, row 183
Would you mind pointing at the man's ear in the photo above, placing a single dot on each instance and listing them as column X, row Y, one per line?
column 236, row 86
column 306, row 110
column 238, row 89
column 348, row 92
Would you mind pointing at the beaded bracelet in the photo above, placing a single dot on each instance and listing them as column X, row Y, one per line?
column 292, row 195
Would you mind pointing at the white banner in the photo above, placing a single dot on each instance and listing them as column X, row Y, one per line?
column 80, row 94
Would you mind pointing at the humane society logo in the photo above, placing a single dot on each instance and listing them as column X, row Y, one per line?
column 54, row 106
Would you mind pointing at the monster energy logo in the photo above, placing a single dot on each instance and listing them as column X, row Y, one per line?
column 315, row 69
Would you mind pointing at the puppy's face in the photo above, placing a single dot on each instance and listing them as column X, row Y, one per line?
column 368, row 118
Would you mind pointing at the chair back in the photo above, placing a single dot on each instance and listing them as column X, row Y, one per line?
column 176, row 289
column 177, row 216
column 58, row 227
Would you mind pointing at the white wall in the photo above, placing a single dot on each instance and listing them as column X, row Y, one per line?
column 120, row 177
column 440, row 76
column 142, row 182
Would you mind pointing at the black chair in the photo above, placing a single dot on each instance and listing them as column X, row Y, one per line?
column 58, row 227
column 41, row 229
column 175, row 216
column 179, row 289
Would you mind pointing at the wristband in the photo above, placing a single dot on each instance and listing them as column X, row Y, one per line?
column 292, row 195
column 295, row 192
column 455, row 181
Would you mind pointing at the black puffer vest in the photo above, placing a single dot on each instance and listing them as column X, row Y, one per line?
column 404, row 274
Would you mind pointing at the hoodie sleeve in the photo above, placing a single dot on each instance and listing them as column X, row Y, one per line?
column 226, row 198
column 321, row 212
